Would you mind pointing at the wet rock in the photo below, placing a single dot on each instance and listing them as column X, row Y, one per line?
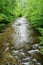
column 34, row 60
column 38, row 57
column 28, row 47
column 26, row 63
column 26, row 59
column 33, row 51
column 18, row 54
column 38, row 63
column 15, row 53
column 35, row 46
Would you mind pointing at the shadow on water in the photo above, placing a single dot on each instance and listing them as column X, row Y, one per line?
column 19, row 45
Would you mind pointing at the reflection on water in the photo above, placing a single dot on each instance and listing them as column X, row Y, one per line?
column 19, row 45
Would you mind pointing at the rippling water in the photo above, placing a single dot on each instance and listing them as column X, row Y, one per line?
column 20, row 45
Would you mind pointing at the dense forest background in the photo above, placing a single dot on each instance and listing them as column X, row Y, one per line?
column 31, row 9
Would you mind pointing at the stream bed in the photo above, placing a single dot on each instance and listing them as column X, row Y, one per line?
column 20, row 45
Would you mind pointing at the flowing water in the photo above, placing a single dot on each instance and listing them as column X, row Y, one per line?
column 20, row 45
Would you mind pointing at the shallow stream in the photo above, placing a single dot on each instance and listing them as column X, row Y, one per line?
column 19, row 45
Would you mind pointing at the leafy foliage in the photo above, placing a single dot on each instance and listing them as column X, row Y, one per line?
column 9, row 10
column 34, row 14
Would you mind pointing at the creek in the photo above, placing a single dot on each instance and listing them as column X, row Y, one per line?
column 19, row 45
